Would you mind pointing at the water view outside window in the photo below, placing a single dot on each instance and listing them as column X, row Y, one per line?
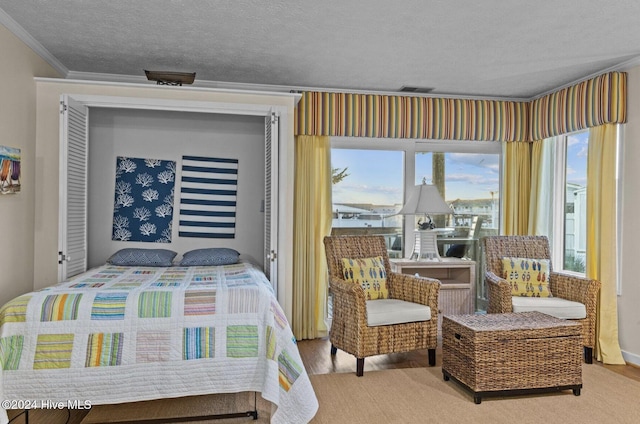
column 367, row 192
column 469, row 182
column 575, row 208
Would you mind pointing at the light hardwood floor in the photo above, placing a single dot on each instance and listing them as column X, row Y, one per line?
column 317, row 359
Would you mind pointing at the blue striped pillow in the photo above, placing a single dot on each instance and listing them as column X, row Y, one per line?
column 210, row 256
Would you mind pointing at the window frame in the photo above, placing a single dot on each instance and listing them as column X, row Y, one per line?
column 558, row 230
column 410, row 147
column 559, row 200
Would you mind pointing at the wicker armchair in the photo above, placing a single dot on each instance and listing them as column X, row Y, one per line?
column 563, row 286
column 349, row 329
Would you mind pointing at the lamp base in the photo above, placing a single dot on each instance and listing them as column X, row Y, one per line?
column 426, row 246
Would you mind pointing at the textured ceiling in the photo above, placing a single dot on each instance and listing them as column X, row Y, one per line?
column 494, row 48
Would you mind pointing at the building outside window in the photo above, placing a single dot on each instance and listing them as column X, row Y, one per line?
column 575, row 203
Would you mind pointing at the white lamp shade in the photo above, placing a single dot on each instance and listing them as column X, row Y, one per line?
column 425, row 199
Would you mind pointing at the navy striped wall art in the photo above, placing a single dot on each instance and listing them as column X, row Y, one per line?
column 208, row 197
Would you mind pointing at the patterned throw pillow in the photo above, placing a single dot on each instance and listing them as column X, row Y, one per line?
column 142, row 257
column 369, row 273
column 528, row 277
column 210, row 257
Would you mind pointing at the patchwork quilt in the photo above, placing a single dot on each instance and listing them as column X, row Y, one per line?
column 123, row 334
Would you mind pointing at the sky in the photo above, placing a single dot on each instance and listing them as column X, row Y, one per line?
column 577, row 145
column 375, row 176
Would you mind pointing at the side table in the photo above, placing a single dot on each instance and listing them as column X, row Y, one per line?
column 458, row 278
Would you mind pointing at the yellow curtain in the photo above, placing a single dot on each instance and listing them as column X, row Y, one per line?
column 516, row 188
column 602, row 254
column 537, row 198
column 312, row 221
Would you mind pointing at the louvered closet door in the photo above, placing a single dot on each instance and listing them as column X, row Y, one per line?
column 271, row 199
column 72, row 255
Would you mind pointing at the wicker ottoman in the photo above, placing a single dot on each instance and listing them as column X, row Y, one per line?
column 517, row 353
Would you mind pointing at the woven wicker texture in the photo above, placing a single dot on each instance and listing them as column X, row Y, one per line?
column 570, row 287
column 499, row 352
column 349, row 330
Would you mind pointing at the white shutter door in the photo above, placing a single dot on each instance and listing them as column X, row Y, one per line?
column 74, row 135
column 271, row 199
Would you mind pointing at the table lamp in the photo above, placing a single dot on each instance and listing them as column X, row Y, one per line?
column 425, row 199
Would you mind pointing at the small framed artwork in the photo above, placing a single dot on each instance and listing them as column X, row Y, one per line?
column 9, row 170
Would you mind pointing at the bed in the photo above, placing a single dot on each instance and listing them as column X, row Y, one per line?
column 131, row 333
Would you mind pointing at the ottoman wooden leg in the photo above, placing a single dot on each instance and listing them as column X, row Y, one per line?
column 360, row 367
column 432, row 357
column 588, row 355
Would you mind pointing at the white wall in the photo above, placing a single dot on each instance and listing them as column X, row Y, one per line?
column 18, row 65
column 168, row 135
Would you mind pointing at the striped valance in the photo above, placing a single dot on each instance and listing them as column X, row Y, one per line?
column 600, row 100
column 368, row 115
column 593, row 102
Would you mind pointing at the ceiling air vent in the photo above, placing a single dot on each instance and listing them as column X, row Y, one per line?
column 408, row 89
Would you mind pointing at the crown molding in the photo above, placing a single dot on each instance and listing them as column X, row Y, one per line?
column 272, row 88
column 141, row 79
column 32, row 43
column 144, row 83
column 114, row 78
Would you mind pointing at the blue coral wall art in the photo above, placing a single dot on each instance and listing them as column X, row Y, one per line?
column 143, row 206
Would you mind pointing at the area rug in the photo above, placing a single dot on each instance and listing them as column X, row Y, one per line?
column 415, row 395
column 419, row 395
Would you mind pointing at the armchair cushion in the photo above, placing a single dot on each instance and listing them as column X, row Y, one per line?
column 527, row 277
column 395, row 311
column 369, row 273
column 554, row 306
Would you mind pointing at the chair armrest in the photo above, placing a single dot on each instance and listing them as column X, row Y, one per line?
column 422, row 290
column 499, row 293
column 575, row 288
column 583, row 290
column 349, row 302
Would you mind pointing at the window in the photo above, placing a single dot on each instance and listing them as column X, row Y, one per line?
column 567, row 228
column 372, row 178
column 469, row 182
column 367, row 192
column 575, row 202
column 564, row 214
